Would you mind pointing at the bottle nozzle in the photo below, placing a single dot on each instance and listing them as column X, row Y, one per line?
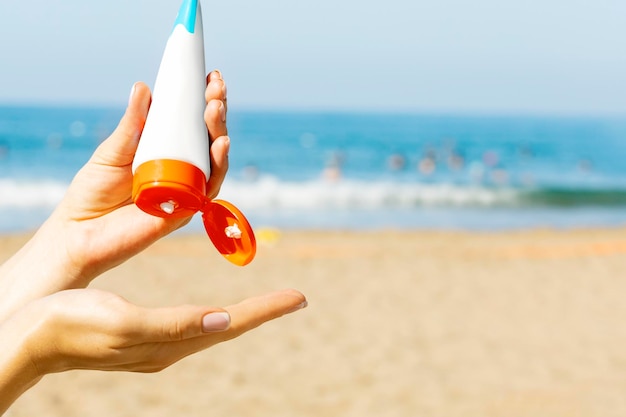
column 168, row 207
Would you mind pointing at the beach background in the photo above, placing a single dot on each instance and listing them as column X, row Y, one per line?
column 443, row 180
column 454, row 266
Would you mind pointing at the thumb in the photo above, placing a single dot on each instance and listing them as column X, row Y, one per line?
column 119, row 149
column 180, row 323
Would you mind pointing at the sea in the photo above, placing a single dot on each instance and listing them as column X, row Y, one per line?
column 356, row 171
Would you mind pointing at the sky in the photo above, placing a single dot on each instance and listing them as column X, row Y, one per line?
column 452, row 56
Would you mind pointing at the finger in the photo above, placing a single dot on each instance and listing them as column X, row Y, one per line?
column 216, row 91
column 244, row 317
column 215, row 119
column 215, row 74
column 119, row 149
column 175, row 324
column 218, row 154
column 253, row 312
column 216, row 87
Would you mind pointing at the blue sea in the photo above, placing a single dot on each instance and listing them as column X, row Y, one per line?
column 356, row 171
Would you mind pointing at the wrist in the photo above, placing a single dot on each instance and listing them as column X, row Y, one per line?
column 18, row 368
column 41, row 267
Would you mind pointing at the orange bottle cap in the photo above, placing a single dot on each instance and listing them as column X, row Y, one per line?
column 176, row 189
column 169, row 188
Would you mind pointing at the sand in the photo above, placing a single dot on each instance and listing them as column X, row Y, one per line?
column 508, row 324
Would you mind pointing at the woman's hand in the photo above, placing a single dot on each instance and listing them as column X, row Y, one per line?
column 96, row 226
column 93, row 329
column 103, row 225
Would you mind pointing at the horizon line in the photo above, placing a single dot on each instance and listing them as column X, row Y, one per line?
column 284, row 109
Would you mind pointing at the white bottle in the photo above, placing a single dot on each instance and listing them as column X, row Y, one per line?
column 175, row 128
column 171, row 165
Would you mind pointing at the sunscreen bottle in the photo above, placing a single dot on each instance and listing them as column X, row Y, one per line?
column 171, row 165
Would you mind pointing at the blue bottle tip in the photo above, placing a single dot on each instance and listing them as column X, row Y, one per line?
column 187, row 15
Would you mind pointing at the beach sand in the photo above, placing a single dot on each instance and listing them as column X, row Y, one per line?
column 529, row 323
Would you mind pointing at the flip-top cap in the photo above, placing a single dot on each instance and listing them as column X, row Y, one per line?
column 176, row 189
column 169, row 188
column 229, row 231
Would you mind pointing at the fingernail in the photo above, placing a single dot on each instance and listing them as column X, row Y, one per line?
column 300, row 306
column 215, row 322
column 223, row 112
column 132, row 93
column 218, row 72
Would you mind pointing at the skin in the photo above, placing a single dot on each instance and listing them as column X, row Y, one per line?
column 50, row 322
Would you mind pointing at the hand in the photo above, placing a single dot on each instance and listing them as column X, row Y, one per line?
column 93, row 329
column 104, row 226
column 96, row 226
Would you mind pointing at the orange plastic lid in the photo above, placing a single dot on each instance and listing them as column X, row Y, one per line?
column 229, row 231
column 176, row 189
column 169, row 188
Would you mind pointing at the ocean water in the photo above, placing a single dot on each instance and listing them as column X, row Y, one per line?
column 356, row 171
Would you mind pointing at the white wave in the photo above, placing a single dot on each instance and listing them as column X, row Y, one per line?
column 24, row 194
column 271, row 193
